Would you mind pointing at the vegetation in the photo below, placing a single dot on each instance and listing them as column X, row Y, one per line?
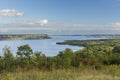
column 108, row 73
column 99, row 60
column 88, row 43
column 23, row 36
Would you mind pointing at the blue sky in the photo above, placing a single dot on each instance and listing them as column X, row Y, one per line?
column 60, row 16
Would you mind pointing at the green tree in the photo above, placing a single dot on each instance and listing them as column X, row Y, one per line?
column 24, row 51
column 39, row 59
column 65, row 58
column 24, row 55
column 116, row 49
column 8, row 59
column 1, row 63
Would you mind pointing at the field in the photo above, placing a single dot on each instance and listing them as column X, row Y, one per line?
column 107, row 73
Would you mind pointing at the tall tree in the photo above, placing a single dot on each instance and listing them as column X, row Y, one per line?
column 8, row 58
column 24, row 54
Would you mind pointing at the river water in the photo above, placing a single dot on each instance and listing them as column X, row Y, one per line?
column 46, row 46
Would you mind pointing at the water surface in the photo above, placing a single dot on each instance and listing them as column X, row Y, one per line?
column 46, row 46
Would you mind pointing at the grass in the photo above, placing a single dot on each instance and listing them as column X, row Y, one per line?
column 106, row 73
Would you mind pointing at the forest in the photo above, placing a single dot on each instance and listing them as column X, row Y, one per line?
column 102, row 56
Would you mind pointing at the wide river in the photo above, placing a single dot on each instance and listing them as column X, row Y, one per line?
column 46, row 46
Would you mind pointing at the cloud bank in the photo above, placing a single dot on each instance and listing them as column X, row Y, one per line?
column 10, row 13
column 46, row 26
column 116, row 24
column 40, row 22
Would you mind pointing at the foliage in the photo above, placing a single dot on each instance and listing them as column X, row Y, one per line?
column 116, row 49
column 23, row 36
column 39, row 59
column 8, row 59
column 95, row 55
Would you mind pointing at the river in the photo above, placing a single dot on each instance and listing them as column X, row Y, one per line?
column 46, row 46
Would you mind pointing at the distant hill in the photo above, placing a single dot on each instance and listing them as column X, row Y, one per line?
column 23, row 36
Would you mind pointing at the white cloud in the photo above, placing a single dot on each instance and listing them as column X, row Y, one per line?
column 10, row 13
column 116, row 24
column 42, row 22
column 4, row 29
column 37, row 22
column 51, row 26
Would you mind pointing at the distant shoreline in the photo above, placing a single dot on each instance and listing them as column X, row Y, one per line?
column 24, row 36
column 86, row 43
column 105, row 36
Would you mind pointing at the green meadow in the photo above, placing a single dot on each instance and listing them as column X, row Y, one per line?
column 84, row 73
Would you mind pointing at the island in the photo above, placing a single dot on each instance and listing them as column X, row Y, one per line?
column 89, row 43
column 24, row 36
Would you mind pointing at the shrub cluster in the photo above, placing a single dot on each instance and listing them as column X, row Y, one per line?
column 26, row 59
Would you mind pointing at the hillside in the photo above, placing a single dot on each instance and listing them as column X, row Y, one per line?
column 23, row 36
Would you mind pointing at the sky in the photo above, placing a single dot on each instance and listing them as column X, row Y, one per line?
column 60, row 16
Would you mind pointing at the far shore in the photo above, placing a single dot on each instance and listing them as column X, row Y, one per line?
column 24, row 36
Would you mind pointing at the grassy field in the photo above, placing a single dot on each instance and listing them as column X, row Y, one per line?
column 106, row 73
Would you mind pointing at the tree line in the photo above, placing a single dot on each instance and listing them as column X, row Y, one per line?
column 26, row 59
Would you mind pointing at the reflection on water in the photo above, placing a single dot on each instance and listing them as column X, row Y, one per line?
column 46, row 46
